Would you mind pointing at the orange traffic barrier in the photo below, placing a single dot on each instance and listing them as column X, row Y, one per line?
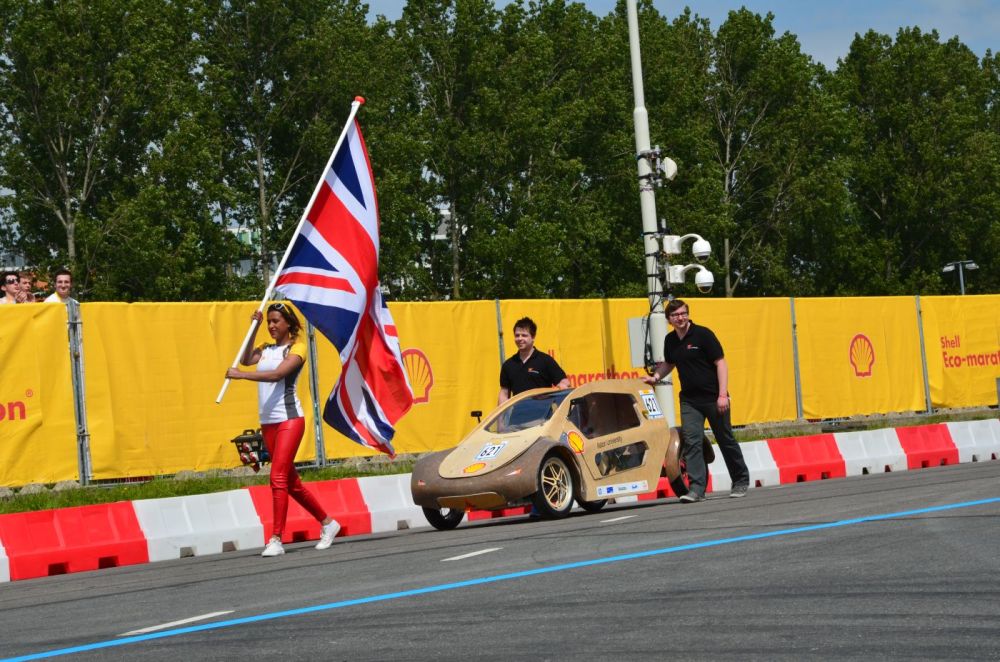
column 813, row 457
column 341, row 499
column 56, row 542
column 927, row 446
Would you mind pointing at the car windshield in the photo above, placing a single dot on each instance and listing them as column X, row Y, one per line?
column 527, row 413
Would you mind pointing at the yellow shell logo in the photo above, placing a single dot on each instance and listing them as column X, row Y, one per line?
column 862, row 355
column 418, row 369
column 575, row 442
column 473, row 468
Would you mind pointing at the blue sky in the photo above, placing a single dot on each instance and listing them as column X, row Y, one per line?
column 825, row 29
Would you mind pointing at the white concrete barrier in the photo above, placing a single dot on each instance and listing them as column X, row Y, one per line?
column 977, row 441
column 4, row 565
column 390, row 503
column 763, row 469
column 199, row 524
column 871, row 451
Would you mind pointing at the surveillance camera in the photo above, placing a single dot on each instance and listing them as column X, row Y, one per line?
column 669, row 168
column 704, row 280
column 701, row 249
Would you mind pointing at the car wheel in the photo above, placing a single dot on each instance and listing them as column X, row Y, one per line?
column 554, row 497
column 444, row 519
column 592, row 506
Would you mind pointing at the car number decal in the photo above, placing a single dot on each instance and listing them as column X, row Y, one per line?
column 651, row 403
column 622, row 488
column 490, row 451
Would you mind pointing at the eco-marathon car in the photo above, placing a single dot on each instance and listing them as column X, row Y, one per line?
column 549, row 447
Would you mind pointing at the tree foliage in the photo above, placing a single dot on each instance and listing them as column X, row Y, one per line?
column 502, row 144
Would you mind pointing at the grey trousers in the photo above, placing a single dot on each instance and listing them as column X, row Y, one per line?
column 693, row 416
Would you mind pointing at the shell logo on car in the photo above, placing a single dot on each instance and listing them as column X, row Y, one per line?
column 473, row 468
column 575, row 442
column 862, row 355
column 418, row 370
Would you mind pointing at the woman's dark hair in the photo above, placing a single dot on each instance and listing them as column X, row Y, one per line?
column 294, row 325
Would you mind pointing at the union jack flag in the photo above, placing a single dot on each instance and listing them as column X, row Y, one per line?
column 331, row 274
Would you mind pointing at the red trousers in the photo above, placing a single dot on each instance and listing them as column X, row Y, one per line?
column 282, row 440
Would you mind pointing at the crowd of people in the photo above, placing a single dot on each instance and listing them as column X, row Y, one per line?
column 19, row 287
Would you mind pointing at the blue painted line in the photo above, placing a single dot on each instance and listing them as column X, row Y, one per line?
column 124, row 641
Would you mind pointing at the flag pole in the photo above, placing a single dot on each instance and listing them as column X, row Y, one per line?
column 355, row 105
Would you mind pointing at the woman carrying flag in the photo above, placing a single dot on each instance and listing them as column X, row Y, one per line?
column 282, row 421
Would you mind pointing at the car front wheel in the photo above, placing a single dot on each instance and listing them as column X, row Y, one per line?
column 554, row 497
column 443, row 519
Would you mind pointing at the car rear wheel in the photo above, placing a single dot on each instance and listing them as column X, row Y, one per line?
column 554, row 497
column 592, row 506
column 443, row 519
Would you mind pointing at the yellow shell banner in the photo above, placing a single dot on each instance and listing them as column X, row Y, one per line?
column 37, row 421
column 962, row 338
column 859, row 355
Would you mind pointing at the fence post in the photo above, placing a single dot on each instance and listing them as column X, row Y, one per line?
column 74, row 330
column 503, row 355
column 795, row 362
column 923, row 356
column 314, row 385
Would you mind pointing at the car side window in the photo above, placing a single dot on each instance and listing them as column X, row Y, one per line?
column 601, row 414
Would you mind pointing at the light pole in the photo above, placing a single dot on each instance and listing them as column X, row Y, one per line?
column 962, row 266
column 654, row 170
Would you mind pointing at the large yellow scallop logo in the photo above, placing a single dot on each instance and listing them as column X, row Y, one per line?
column 575, row 441
column 418, row 370
column 862, row 355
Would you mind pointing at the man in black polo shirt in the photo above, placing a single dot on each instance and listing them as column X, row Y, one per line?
column 701, row 364
column 528, row 368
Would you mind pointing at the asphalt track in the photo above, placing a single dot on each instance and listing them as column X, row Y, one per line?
column 901, row 566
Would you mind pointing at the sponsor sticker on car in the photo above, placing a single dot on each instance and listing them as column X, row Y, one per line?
column 651, row 404
column 490, row 451
column 622, row 488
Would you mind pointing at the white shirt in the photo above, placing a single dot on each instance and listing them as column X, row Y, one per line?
column 278, row 401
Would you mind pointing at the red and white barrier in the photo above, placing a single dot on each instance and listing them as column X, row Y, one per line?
column 4, row 565
column 977, row 441
column 871, row 451
column 390, row 503
column 37, row 544
column 199, row 524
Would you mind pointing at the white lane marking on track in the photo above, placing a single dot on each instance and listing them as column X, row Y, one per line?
column 183, row 621
column 471, row 554
column 618, row 519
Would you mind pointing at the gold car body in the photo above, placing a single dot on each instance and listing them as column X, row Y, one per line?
column 611, row 433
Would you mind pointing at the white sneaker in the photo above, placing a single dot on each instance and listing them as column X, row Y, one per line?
column 273, row 548
column 327, row 533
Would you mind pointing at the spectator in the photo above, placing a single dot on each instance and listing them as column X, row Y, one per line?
column 25, row 293
column 64, row 285
column 528, row 368
column 10, row 287
column 700, row 361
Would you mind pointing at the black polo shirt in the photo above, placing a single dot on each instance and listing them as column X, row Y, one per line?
column 695, row 358
column 539, row 371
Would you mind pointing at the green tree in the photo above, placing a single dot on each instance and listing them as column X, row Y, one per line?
column 280, row 76
column 779, row 139
column 83, row 133
column 925, row 174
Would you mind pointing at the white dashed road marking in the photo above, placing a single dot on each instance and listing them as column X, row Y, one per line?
column 471, row 554
column 617, row 519
column 183, row 621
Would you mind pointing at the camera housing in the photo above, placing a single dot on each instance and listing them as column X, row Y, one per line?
column 704, row 280
column 701, row 249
